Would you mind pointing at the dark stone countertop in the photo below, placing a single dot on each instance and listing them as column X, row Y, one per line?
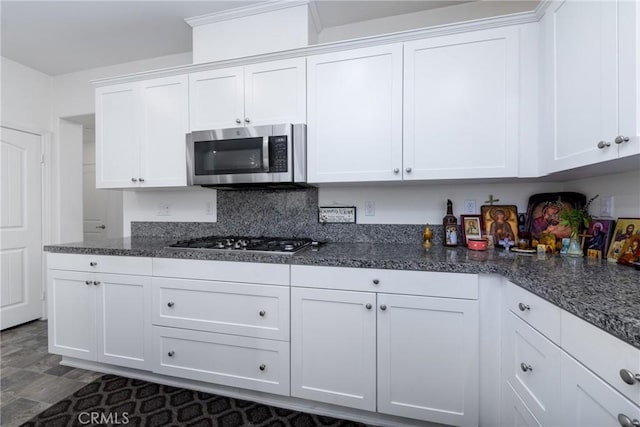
column 604, row 294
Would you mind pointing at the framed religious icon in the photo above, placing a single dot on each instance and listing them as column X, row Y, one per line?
column 501, row 222
column 471, row 227
column 630, row 252
column 598, row 237
column 625, row 229
column 543, row 213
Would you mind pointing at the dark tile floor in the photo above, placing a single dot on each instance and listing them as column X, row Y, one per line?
column 31, row 379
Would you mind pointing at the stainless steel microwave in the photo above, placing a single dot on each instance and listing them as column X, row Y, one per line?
column 241, row 157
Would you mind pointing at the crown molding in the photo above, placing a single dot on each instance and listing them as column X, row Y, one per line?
column 243, row 11
column 399, row 37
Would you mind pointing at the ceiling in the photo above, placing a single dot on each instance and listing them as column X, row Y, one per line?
column 59, row 37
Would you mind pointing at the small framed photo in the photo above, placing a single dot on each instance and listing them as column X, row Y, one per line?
column 630, row 252
column 501, row 221
column 598, row 237
column 625, row 229
column 471, row 227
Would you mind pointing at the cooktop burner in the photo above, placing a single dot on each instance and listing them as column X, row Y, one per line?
column 241, row 243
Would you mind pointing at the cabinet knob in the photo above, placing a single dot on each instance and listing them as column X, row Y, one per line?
column 96, row 283
column 383, row 307
column 134, row 179
column 93, row 264
column 171, row 304
column 262, row 313
column 263, row 367
column 627, row 422
column 238, row 121
column 368, row 306
column 88, row 282
column 629, row 377
column 603, row 144
column 102, row 226
column 171, row 353
column 523, row 307
column 620, row 139
column 141, row 179
column 396, row 170
column 408, row 170
column 525, row 367
column 247, row 120
column 376, row 281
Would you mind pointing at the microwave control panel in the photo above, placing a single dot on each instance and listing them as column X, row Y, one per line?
column 278, row 154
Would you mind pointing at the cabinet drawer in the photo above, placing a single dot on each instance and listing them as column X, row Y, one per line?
column 426, row 283
column 540, row 314
column 100, row 263
column 531, row 365
column 601, row 352
column 257, row 364
column 224, row 271
column 514, row 410
column 260, row 311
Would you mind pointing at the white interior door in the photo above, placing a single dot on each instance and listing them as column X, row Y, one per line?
column 20, row 228
column 94, row 204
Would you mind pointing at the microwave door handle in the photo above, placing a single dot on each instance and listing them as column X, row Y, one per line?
column 265, row 153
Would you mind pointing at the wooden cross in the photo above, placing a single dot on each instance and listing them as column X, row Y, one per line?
column 491, row 200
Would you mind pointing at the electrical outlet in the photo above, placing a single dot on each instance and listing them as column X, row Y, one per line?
column 369, row 208
column 163, row 209
column 470, row 207
column 606, row 206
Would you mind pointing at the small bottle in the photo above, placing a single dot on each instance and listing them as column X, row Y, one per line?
column 450, row 225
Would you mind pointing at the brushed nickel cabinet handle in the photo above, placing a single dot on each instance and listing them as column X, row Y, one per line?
column 523, row 307
column 629, row 377
column 525, row 367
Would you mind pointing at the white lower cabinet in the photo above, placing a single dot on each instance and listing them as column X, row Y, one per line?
column 428, row 358
column 100, row 317
column 426, row 350
column 333, row 347
column 587, row 401
column 531, row 367
column 568, row 378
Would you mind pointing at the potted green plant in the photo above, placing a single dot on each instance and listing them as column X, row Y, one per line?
column 576, row 219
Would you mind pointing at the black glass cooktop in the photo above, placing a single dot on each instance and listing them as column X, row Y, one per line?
column 240, row 243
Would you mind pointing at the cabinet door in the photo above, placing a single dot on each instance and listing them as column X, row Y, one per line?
column 275, row 92
column 333, row 347
column 354, row 115
column 124, row 320
column 428, row 358
column 581, row 83
column 117, row 136
column 515, row 413
column 461, row 110
column 629, row 76
column 72, row 313
column 216, row 99
column 587, row 401
column 164, row 125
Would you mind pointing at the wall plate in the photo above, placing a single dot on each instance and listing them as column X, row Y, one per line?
column 337, row 215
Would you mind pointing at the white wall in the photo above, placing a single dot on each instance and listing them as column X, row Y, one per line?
column 428, row 18
column 69, row 181
column 426, row 203
column 26, row 97
column 192, row 204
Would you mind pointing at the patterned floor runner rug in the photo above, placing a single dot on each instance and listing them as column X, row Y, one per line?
column 114, row 400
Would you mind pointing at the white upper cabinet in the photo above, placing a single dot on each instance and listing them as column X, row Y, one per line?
column 461, row 106
column 590, row 83
column 354, row 127
column 259, row 94
column 140, row 134
column 117, row 136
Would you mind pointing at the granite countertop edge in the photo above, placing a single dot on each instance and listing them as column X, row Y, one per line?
column 561, row 292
